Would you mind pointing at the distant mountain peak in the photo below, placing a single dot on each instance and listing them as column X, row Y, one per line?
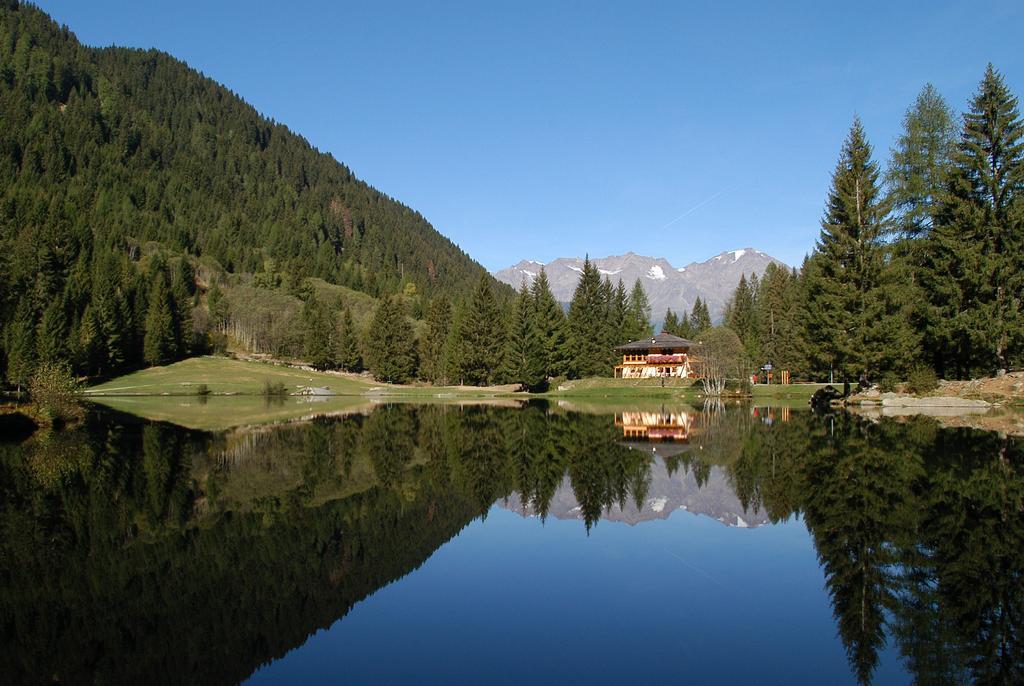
column 667, row 287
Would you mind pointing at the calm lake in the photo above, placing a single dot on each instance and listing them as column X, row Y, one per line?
column 430, row 544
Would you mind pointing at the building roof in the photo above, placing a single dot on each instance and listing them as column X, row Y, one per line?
column 662, row 340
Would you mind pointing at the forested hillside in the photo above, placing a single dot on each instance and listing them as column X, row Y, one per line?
column 129, row 180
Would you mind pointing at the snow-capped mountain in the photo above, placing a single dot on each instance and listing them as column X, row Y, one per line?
column 713, row 280
column 666, row 493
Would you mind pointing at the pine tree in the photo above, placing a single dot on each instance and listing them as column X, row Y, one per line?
column 348, row 356
column 158, row 343
column 975, row 273
column 549, row 321
column 524, row 354
column 639, row 325
column 433, row 342
column 390, row 344
column 586, row 346
column 483, row 336
column 855, row 323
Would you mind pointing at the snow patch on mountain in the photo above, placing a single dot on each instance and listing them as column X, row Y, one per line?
column 656, row 273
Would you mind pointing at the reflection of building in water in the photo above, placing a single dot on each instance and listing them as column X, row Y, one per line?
column 770, row 415
column 655, row 426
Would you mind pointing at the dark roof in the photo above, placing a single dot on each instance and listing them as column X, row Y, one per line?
column 662, row 340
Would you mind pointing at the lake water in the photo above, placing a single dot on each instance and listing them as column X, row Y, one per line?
column 541, row 544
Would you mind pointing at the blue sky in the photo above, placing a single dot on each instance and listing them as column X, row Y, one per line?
column 548, row 129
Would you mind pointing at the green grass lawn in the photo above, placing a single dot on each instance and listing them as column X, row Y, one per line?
column 223, row 375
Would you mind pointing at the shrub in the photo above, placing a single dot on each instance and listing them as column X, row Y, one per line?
column 274, row 388
column 922, row 380
column 54, row 393
column 888, row 382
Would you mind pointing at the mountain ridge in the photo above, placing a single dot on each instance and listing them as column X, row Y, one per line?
column 667, row 286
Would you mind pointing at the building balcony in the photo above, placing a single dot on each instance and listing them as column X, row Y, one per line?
column 654, row 359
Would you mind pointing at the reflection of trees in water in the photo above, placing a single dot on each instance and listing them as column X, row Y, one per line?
column 135, row 546
column 920, row 532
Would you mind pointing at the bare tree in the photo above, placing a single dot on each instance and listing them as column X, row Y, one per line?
column 719, row 357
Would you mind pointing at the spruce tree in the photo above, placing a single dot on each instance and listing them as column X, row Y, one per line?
column 483, row 336
column 549, row 321
column 700, row 318
column 318, row 334
column 975, row 273
column 855, row 320
column 390, row 344
column 158, row 343
column 434, row 340
column 671, row 323
column 524, row 354
column 183, row 288
column 21, row 346
column 741, row 317
column 639, row 313
column 618, row 322
column 348, row 356
column 586, row 346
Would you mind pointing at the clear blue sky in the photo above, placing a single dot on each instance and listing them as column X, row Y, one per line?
column 547, row 129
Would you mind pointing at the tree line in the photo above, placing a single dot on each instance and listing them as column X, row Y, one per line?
column 484, row 339
column 919, row 266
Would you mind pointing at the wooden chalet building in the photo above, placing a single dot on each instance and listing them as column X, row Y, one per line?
column 663, row 355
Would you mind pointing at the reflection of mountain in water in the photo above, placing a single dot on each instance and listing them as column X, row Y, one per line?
column 666, row 494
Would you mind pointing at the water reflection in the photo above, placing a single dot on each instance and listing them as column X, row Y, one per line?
column 133, row 550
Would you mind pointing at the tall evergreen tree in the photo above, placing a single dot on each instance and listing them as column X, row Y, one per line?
column 348, row 356
column 854, row 320
column 700, row 318
column 524, row 354
column 920, row 162
column 21, row 346
column 433, row 342
column 671, row 323
column 483, row 336
column 159, row 343
column 318, row 333
column 976, row 265
column 639, row 318
column 549, row 321
column 586, row 345
column 391, row 345
column 741, row 316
